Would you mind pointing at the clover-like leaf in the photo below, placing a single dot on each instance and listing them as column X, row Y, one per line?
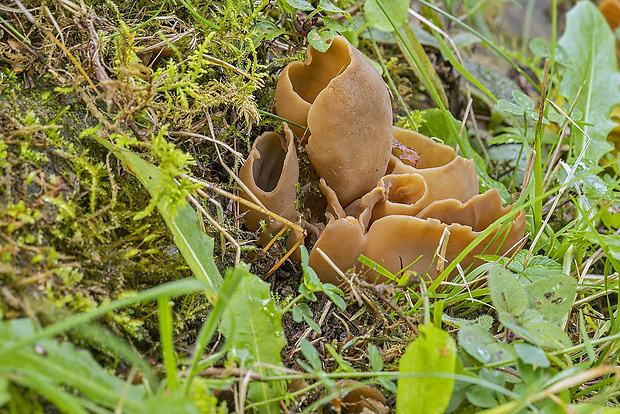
column 507, row 293
column 532, row 355
column 553, row 296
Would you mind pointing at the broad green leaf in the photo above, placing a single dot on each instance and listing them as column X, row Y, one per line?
column 311, row 354
column 300, row 5
column 523, row 100
column 60, row 364
column 508, row 106
column 591, row 48
column 610, row 244
column 432, row 352
column 321, row 40
column 195, row 246
column 483, row 346
column 176, row 403
column 549, row 335
column 5, row 396
column 334, row 24
column 481, row 397
column 265, row 31
column 253, row 329
column 327, row 6
column 507, row 293
column 532, row 355
column 398, row 10
column 540, row 47
column 552, row 297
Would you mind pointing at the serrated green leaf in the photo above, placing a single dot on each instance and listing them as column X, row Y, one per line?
column 398, row 10
column 532, row 355
column 591, row 48
column 253, row 328
column 433, row 351
column 321, row 40
column 553, row 296
column 195, row 246
column 507, row 293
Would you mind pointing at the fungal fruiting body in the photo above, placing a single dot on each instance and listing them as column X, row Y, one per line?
column 396, row 196
column 342, row 100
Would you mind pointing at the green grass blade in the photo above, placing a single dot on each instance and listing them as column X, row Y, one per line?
column 419, row 62
column 56, row 395
column 460, row 68
column 164, row 317
column 195, row 246
column 209, row 327
column 177, row 288
column 487, row 41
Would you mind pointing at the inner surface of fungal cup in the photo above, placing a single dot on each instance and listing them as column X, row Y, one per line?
column 271, row 173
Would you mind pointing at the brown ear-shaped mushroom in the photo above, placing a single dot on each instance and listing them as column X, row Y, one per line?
column 397, row 194
column 343, row 101
column 447, row 174
column 271, row 172
column 366, row 398
column 342, row 240
column 396, row 241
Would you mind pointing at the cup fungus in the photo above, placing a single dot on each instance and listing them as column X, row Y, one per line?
column 271, row 172
column 394, row 195
column 342, row 100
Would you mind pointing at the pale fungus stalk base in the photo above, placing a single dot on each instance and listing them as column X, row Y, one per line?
column 412, row 203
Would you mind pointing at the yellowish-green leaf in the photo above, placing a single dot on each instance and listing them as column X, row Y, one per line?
column 433, row 353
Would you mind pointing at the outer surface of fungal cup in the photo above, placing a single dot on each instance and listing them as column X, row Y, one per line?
column 345, row 104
